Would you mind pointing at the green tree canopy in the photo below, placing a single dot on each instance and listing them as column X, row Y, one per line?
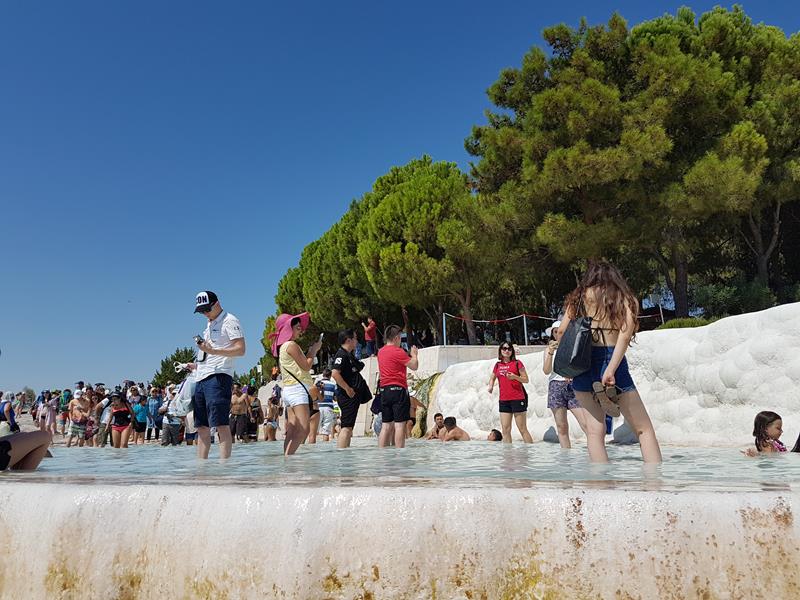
column 657, row 140
column 420, row 244
column 671, row 147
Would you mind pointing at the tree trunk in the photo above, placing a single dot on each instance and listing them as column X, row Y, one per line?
column 681, row 291
column 434, row 314
column 762, row 269
column 763, row 250
column 472, row 335
column 466, row 312
column 679, row 283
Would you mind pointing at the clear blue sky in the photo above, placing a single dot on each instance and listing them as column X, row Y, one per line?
column 149, row 150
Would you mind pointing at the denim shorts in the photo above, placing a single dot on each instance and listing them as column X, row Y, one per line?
column 212, row 401
column 601, row 356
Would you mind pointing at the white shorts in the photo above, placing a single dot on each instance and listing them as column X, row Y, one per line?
column 326, row 421
column 294, row 395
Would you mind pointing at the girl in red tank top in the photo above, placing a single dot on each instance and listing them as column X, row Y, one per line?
column 511, row 375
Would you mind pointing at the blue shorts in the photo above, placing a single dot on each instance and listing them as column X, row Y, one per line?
column 212, row 401
column 601, row 356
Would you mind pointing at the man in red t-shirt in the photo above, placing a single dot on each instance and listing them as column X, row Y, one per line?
column 370, row 334
column 393, row 363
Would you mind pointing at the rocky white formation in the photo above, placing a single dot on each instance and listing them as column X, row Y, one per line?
column 702, row 386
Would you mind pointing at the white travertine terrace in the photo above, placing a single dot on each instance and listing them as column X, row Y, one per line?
column 581, row 541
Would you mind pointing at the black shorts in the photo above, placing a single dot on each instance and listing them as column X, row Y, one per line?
column 139, row 426
column 239, row 425
column 349, row 407
column 395, row 404
column 212, row 401
column 513, row 406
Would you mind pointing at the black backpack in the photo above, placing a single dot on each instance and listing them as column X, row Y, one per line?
column 574, row 355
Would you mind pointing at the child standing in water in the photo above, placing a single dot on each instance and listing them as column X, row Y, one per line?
column 767, row 430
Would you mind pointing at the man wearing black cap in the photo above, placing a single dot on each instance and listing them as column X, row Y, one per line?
column 223, row 340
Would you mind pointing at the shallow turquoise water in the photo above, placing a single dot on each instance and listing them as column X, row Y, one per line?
column 473, row 464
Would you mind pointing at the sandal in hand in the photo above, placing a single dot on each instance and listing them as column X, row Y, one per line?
column 606, row 397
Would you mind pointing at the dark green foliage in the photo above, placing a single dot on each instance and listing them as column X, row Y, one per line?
column 685, row 322
column 657, row 141
column 671, row 148
column 736, row 297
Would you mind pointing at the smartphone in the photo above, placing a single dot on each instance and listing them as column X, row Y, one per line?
column 198, row 340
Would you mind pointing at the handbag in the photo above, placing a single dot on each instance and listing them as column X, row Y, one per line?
column 313, row 399
column 363, row 394
column 183, row 402
column 574, row 355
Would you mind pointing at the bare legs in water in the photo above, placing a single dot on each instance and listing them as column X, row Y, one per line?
column 632, row 408
column 521, row 420
column 297, row 427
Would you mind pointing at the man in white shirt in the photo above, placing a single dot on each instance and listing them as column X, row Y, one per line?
column 223, row 340
column 104, row 410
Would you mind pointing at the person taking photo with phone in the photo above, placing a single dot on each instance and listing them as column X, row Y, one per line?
column 298, row 391
column 221, row 343
column 393, row 366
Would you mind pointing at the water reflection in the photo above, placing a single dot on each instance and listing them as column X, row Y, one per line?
column 425, row 464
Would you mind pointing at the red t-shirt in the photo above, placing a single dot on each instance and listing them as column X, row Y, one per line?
column 369, row 332
column 392, row 363
column 509, row 390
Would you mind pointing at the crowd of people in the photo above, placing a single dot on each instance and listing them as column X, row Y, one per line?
column 326, row 407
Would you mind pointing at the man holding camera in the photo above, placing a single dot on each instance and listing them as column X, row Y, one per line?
column 221, row 342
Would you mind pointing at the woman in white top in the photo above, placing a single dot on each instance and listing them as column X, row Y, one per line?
column 298, row 386
column 560, row 396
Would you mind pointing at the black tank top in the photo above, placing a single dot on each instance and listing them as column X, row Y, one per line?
column 121, row 417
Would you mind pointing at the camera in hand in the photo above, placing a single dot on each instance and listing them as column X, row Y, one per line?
column 198, row 340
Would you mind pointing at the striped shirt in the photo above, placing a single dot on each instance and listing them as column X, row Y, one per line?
column 328, row 392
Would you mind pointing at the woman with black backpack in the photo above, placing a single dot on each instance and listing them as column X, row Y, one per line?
column 606, row 309
column 510, row 375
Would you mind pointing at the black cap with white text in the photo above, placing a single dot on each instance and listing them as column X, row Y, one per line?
column 204, row 301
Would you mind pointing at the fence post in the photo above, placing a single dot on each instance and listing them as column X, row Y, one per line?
column 444, row 329
column 525, row 328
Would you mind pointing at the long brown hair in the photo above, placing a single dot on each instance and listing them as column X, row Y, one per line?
column 763, row 420
column 613, row 296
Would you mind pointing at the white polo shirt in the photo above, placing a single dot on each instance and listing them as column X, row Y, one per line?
column 219, row 333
